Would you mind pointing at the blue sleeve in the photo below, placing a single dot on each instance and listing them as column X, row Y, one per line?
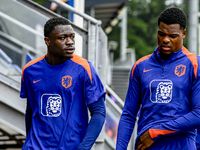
column 93, row 86
column 129, row 115
column 198, row 139
column 23, row 91
column 98, row 113
column 184, row 123
column 28, row 117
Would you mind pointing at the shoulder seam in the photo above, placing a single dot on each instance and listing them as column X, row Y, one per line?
column 83, row 62
column 31, row 63
column 137, row 62
column 193, row 59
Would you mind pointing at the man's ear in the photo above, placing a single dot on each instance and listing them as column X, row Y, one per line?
column 184, row 33
column 47, row 41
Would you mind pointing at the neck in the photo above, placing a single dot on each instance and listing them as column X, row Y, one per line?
column 55, row 60
column 164, row 56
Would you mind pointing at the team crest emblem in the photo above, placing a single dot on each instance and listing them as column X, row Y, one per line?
column 161, row 91
column 66, row 81
column 180, row 70
column 51, row 105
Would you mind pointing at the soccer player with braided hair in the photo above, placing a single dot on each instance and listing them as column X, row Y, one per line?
column 165, row 88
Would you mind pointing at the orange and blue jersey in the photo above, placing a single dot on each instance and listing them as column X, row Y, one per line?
column 58, row 97
column 167, row 94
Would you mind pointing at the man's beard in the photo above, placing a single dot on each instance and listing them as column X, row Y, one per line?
column 164, row 56
column 67, row 57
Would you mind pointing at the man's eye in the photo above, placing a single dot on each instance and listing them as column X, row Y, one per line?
column 62, row 38
column 72, row 37
column 161, row 34
column 173, row 36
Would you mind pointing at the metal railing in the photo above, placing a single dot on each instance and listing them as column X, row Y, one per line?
column 92, row 27
column 94, row 49
column 118, row 99
column 72, row 9
column 20, row 49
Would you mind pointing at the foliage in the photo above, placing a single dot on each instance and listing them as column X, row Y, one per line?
column 142, row 25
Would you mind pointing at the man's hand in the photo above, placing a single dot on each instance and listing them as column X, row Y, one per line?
column 144, row 141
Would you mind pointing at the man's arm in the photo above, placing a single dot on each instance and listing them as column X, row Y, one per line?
column 186, row 122
column 98, row 113
column 130, row 111
column 28, row 117
column 181, row 124
column 125, row 129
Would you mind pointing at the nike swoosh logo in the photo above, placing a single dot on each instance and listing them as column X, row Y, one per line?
column 35, row 81
column 147, row 70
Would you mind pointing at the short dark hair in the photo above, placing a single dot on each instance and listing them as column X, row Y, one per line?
column 52, row 22
column 173, row 15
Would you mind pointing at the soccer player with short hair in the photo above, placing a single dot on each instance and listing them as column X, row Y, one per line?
column 60, row 87
column 165, row 86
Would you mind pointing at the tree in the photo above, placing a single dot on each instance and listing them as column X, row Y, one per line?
column 142, row 25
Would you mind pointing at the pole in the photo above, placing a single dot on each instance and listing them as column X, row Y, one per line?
column 123, row 37
column 193, row 26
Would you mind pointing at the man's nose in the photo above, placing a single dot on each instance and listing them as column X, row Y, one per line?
column 69, row 41
column 166, row 39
